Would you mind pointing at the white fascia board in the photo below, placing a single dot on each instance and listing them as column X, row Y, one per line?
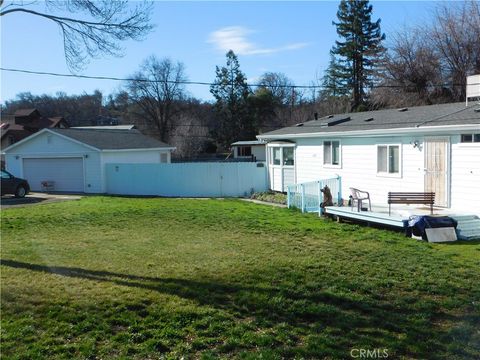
column 273, row 144
column 146, row 149
column 376, row 132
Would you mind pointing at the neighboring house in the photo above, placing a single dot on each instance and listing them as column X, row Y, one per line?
column 74, row 159
column 425, row 148
column 106, row 127
column 24, row 123
column 254, row 150
column 102, row 120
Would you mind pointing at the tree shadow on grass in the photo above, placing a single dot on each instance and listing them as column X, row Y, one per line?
column 368, row 322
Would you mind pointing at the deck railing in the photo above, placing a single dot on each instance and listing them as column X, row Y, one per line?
column 307, row 196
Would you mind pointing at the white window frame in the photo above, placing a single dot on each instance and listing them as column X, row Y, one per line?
column 470, row 143
column 400, row 162
column 281, row 147
column 332, row 166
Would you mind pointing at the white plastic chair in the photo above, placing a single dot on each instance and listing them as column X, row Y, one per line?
column 359, row 196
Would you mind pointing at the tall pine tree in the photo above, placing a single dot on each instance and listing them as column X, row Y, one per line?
column 231, row 92
column 332, row 81
column 361, row 48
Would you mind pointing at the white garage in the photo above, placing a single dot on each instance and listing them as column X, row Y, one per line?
column 73, row 160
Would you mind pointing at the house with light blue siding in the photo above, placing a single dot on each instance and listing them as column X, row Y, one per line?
column 432, row 148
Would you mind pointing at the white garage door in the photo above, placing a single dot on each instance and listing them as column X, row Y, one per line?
column 67, row 173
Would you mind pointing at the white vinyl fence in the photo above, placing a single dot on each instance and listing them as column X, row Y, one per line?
column 187, row 179
column 308, row 196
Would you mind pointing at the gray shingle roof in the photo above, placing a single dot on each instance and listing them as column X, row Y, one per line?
column 112, row 139
column 418, row 116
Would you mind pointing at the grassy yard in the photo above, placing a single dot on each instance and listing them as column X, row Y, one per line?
column 149, row 278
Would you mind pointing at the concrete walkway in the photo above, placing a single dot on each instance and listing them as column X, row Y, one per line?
column 264, row 203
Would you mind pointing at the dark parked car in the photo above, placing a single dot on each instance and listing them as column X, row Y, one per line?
column 13, row 185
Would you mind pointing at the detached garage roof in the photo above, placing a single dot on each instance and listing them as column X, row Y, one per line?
column 112, row 139
column 104, row 139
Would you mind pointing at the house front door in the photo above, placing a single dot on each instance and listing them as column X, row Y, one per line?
column 437, row 169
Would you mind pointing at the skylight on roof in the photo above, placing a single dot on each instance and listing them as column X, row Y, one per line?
column 335, row 122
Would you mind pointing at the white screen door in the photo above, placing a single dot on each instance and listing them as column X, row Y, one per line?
column 437, row 168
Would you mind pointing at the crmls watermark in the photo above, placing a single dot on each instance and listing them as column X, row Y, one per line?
column 369, row 353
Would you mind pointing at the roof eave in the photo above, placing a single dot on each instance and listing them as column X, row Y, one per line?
column 375, row 132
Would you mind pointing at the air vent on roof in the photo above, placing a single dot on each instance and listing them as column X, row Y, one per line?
column 403, row 109
column 368, row 120
column 334, row 122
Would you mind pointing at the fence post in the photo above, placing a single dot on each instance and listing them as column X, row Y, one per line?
column 339, row 181
column 288, row 196
column 319, row 198
column 303, row 197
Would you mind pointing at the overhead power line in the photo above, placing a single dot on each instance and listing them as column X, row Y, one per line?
column 111, row 78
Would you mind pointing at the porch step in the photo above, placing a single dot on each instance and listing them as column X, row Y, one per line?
column 468, row 227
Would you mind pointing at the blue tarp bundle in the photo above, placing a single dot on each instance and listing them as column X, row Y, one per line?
column 418, row 224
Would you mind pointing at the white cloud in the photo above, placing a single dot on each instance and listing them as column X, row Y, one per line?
column 236, row 38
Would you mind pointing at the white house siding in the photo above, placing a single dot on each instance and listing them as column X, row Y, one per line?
column 93, row 173
column 259, row 152
column 358, row 165
column 48, row 145
column 465, row 178
column 276, row 178
column 358, row 168
column 288, row 177
column 130, row 157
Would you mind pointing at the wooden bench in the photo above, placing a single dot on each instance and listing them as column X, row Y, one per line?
column 425, row 198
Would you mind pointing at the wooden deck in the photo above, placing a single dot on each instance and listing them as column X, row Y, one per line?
column 367, row 216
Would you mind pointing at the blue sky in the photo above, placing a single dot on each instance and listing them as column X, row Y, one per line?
column 289, row 37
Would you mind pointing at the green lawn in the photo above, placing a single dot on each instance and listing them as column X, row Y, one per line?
column 144, row 278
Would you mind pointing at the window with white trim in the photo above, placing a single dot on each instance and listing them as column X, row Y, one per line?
column 282, row 155
column 388, row 159
column 331, row 152
column 288, row 157
column 275, row 159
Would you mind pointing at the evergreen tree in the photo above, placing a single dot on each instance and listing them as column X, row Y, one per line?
column 360, row 49
column 332, row 81
column 231, row 92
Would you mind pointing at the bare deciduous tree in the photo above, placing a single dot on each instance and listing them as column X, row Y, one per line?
column 157, row 89
column 455, row 37
column 410, row 71
column 93, row 27
column 429, row 64
column 280, row 86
